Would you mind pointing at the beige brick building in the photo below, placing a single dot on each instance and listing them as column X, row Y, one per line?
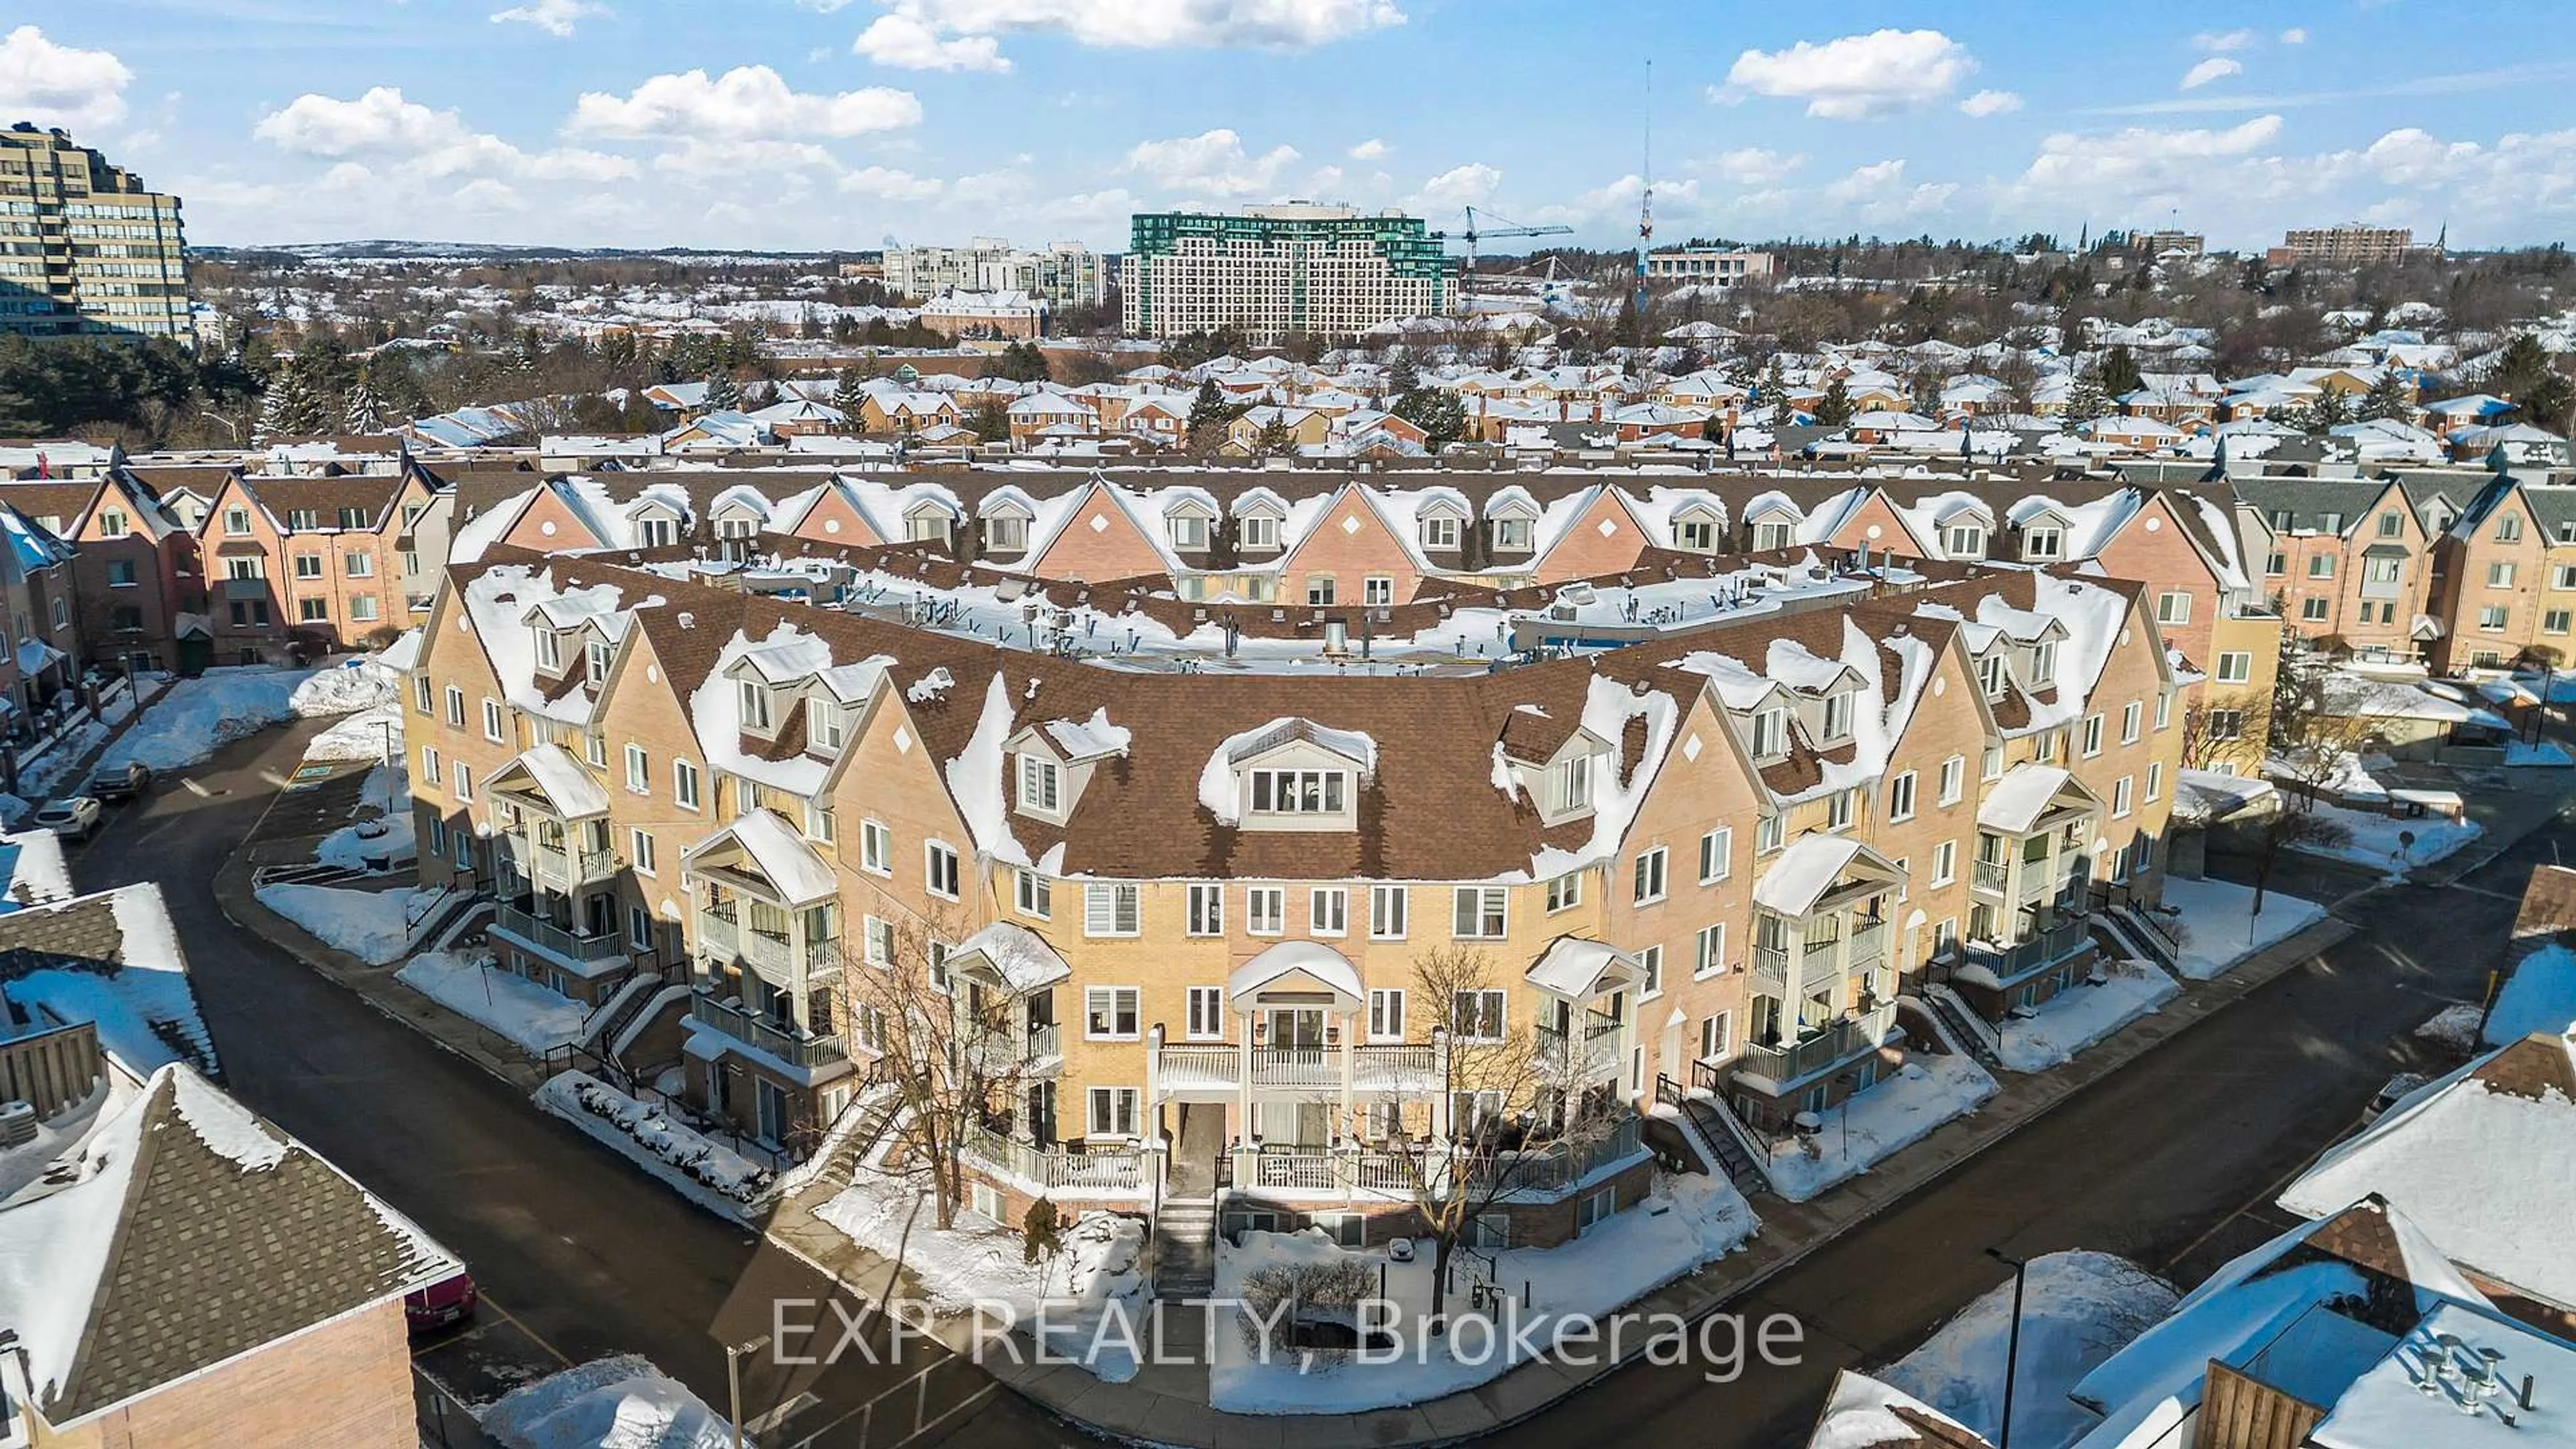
column 1196, row 908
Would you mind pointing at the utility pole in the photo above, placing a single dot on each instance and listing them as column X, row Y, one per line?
column 733, row 1380
column 2012, row 1343
column 1646, row 203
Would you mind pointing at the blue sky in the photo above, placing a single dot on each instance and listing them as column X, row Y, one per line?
column 815, row 123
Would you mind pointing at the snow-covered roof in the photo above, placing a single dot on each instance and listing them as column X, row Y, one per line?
column 2415, row 1394
column 1581, row 969
column 2482, row 1159
column 2017, row 801
column 1089, row 739
column 1020, row 956
column 561, row 779
column 1326, row 966
column 1805, row 871
column 782, row 857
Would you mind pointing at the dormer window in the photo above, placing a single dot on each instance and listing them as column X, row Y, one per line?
column 824, row 731
column 1189, row 531
column 1040, row 784
column 353, row 518
column 1838, row 715
column 1697, row 535
column 739, row 528
column 1439, row 532
column 299, row 519
column 755, row 705
column 657, row 531
column 1964, row 540
column 1574, row 784
column 1299, row 792
column 1512, row 535
column 111, row 524
column 1990, row 676
column 1260, row 532
column 1770, row 734
column 1770, row 535
column 549, row 651
column 2043, row 664
column 594, row 659
column 2043, row 543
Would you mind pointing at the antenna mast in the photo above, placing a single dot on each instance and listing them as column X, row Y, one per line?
column 1646, row 203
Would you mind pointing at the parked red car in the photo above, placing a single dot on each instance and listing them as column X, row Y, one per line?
column 440, row 1304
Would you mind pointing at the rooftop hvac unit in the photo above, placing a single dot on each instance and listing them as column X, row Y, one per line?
column 17, row 1123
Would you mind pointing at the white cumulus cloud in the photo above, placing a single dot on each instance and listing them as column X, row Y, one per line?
column 2295, row 35
column 1753, row 166
column 1131, row 24
column 888, row 184
column 1213, row 163
column 1462, row 185
column 1371, row 149
column 1857, row 77
column 747, row 103
column 1990, row 103
column 2217, row 67
column 59, row 85
column 906, row 43
column 554, row 17
column 2219, row 42
column 382, row 126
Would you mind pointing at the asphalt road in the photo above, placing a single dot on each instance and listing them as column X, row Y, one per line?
column 2170, row 1162
column 580, row 1253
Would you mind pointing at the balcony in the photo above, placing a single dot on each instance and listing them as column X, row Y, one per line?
column 538, row 933
column 1989, row 877
column 1359, row 1172
column 722, row 936
column 1868, row 941
column 2045, row 949
column 1004, row 1051
column 1823, row 1048
column 797, row 1048
column 571, row 869
column 1206, row 1069
column 1770, row 967
column 1592, row 1053
column 1053, row 1169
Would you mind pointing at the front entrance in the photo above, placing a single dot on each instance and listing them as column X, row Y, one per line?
column 1202, row 1140
column 1297, row 1028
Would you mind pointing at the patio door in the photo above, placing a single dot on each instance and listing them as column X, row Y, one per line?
column 772, row 1112
column 1297, row 1028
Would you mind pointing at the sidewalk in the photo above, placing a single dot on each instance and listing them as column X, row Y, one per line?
column 234, row 896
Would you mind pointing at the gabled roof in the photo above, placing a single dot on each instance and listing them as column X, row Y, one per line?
column 190, row 1233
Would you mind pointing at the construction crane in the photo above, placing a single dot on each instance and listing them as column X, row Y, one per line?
column 1474, row 233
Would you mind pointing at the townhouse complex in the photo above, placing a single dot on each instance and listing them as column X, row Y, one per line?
column 85, row 247
column 1268, row 271
column 1066, row 274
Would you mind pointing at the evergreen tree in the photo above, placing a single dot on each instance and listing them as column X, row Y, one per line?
column 991, row 421
column 363, row 412
column 849, row 392
column 2386, row 398
column 723, row 393
column 1274, row 440
column 1021, row 362
column 2525, row 375
column 1402, row 376
column 1209, row 415
column 2119, row 373
column 290, row 409
column 2085, row 402
column 1835, row 408
column 1774, row 387
column 1437, row 412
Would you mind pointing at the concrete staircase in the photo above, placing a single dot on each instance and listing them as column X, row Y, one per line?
column 1185, row 1249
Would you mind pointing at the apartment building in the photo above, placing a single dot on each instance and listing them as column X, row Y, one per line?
column 1269, row 271
column 85, row 247
column 1708, row 266
column 133, row 566
column 301, row 566
column 2505, row 587
column 2350, row 562
column 1195, row 905
column 2343, row 246
column 985, row 316
column 1066, row 274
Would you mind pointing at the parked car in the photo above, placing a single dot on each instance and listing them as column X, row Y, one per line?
column 2391, row 1094
column 120, row 782
column 76, row 816
column 450, row 1300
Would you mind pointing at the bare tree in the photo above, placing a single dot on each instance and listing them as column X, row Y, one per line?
column 1503, row 1094
column 950, row 1061
column 2288, row 828
column 2215, row 724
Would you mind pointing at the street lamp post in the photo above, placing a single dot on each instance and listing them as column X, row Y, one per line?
column 733, row 1380
column 2012, row 1342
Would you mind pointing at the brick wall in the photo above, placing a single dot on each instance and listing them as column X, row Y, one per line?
column 345, row 1385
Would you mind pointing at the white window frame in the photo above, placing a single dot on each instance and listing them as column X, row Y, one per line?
column 1497, row 898
column 876, row 848
column 2133, row 721
column 1328, row 911
column 1265, row 910
column 1386, row 1013
column 1900, row 798
column 939, row 864
column 1390, row 909
column 639, row 771
column 1206, row 909
column 1651, row 876
column 1717, row 855
column 1041, row 784
column 1112, row 909
column 639, row 849
column 1092, row 1012
column 1104, row 1109
column 1032, row 894
column 1708, row 951
column 1203, row 1014
column 686, row 784
column 1954, row 779
column 1945, row 863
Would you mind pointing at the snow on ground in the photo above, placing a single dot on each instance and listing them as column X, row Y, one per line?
column 2454, row 1026
column 1689, row 1221
column 608, row 1403
column 362, row 736
column 2084, row 1014
column 2078, row 1309
column 705, row 1171
column 370, row 925
column 391, row 839
column 2523, row 752
column 55, row 771
column 2539, row 996
column 2375, row 839
column 199, row 716
column 344, row 688
column 1900, row 1111
column 1098, row 1277
column 2218, row 925
column 472, row 986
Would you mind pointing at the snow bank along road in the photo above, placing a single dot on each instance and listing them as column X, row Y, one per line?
column 2162, row 1162
column 591, row 1255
